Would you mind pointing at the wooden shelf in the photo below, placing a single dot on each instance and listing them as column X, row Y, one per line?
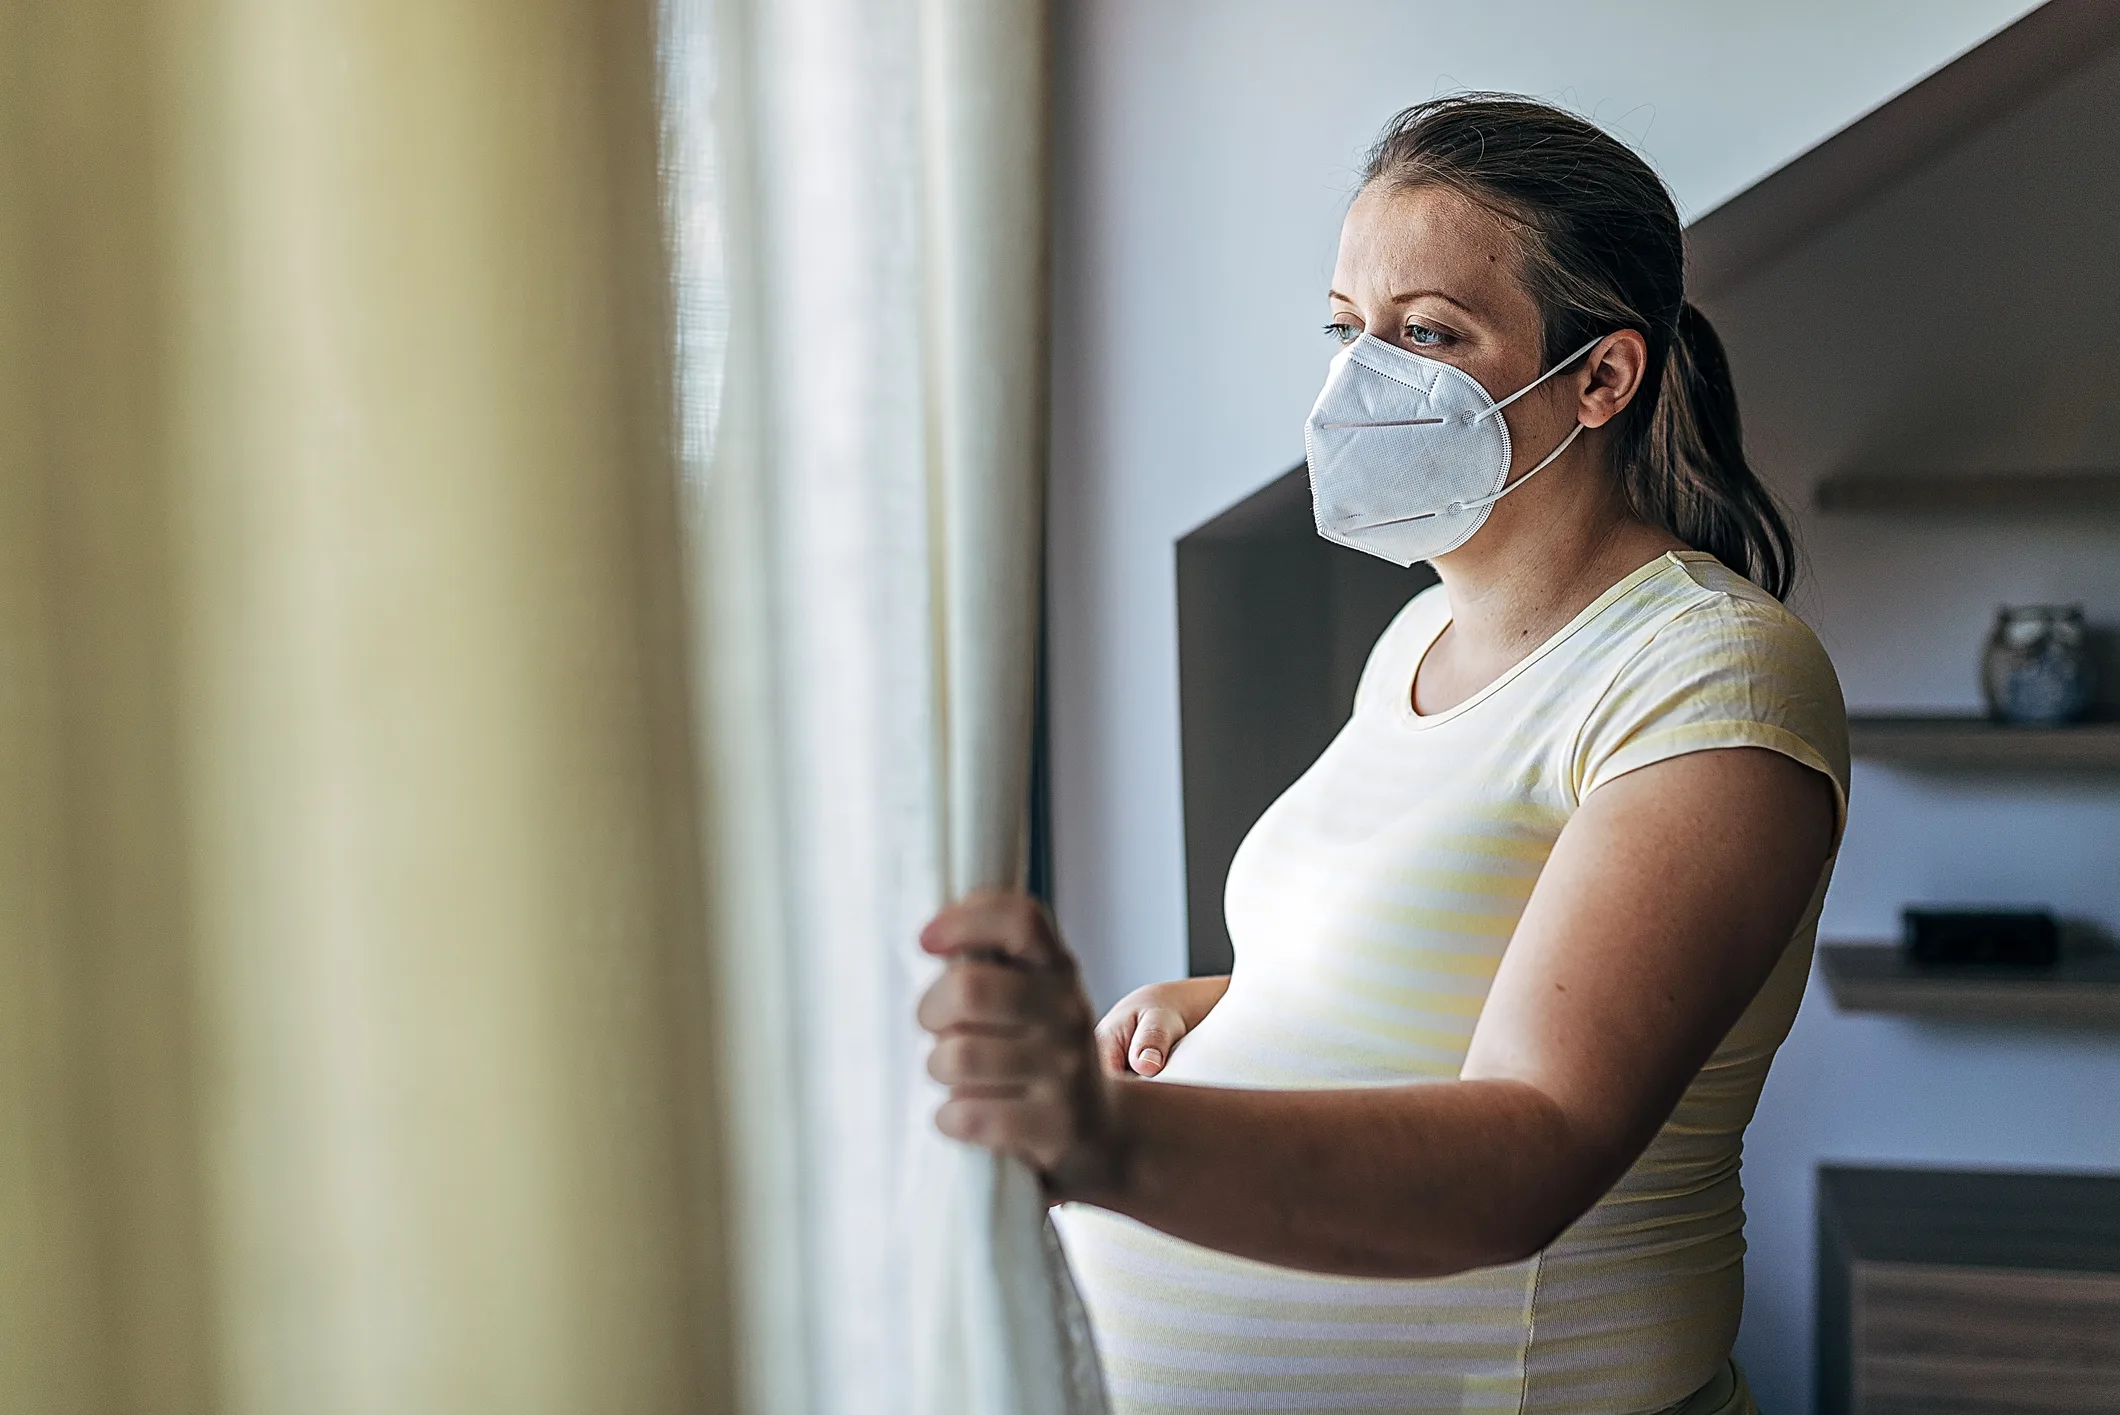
column 2069, row 492
column 1876, row 977
column 1963, row 741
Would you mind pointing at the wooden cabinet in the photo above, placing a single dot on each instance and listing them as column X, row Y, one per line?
column 1967, row 1293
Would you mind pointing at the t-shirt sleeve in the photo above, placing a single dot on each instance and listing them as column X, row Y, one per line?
column 1726, row 673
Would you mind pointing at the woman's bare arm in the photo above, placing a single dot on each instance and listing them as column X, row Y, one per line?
column 1664, row 906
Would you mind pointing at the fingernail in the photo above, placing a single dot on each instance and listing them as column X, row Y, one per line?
column 1149, row 1056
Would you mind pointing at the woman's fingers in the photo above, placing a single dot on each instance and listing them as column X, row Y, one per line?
column 969, row 1060
column 1155, row 1033
column 1021, row 1092
column 1138, row 1034
column 975, row 995
column 1014, row 1042
column 994, row 997
column 1012, row 925
column 1115, row 1035
column 1034, row 1122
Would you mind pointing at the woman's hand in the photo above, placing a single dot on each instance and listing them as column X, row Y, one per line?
column 1014, row 1045
column 1148, row 1023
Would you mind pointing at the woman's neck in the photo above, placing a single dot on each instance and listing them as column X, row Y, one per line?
column 1525, row 576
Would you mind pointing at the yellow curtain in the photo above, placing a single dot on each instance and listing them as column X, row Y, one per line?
column 352, row 980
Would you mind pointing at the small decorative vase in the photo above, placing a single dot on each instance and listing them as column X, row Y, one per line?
column 2036, row 671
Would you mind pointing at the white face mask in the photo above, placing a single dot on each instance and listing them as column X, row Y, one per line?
column 1407, row 454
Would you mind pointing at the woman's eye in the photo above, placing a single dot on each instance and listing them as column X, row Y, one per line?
column 1343, row 333
column 1422, row 335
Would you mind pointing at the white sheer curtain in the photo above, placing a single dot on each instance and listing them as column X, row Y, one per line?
column 859, row 187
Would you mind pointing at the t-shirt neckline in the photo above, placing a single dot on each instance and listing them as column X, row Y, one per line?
column 1624, row 586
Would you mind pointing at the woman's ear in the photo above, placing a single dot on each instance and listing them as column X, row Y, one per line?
column 1614, row 375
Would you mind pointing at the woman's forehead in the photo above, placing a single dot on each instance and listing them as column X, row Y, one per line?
column 1426, row 238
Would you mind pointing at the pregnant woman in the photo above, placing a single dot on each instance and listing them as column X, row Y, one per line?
column 1461, row 1130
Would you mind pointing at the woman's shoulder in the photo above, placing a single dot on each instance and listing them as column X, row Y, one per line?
column 1718, row 614
column 1713, row 661
column 1686, row 613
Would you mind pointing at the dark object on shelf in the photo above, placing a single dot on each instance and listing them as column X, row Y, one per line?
column 1967, row 1292
column 1974, row 742
column 2036, row 668
column 2036, row 493
column 2082, row 991
column 2014, row 938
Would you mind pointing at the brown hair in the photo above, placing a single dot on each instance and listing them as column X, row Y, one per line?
column 1603, row 250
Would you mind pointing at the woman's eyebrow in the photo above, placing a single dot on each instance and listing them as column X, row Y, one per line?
column 1409, row 296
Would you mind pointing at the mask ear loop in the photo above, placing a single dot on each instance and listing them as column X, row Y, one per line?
column 1560, row 367
column 1456, row 508
column 1459, row 507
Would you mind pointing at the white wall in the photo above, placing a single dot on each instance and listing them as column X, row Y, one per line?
column 1966, row 317
column 1207, row 150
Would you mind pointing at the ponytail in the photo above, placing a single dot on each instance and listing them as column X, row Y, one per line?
column 1603, row 250
column 1688, row 473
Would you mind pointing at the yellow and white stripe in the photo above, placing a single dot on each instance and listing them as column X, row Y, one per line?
column 1370, row 908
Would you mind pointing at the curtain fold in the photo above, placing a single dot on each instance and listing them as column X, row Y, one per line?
column 104, row 1290
column 867, row 449
column 351, row 964
column 998, row 1325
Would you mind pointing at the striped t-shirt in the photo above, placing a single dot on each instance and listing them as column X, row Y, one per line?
column 1370, row 907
